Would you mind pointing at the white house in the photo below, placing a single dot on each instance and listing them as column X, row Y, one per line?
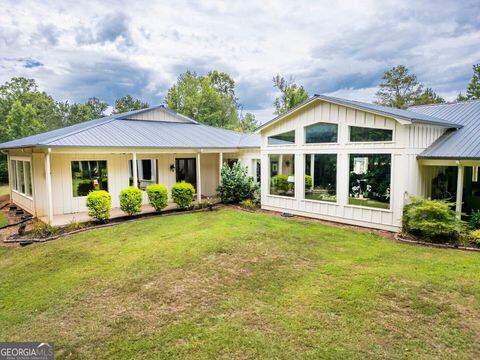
column 328, row 158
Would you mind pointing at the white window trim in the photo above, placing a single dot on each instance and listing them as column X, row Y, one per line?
column 370, row 142
column 18, row 191
column 321, row 143
column 71, row 177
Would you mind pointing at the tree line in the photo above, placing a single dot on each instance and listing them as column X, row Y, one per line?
column 210, row 99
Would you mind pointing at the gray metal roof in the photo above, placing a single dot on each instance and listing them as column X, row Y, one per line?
column 458, row 144
column 118, row 132
column 407, row 115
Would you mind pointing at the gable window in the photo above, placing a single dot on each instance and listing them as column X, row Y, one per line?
column 146, row 172
column 88, row 176
column 22, row 177
column 282, row 139
column 321, row 133
column 370, row 180
column 282, row 175
column 321, row 177
column 365, row 134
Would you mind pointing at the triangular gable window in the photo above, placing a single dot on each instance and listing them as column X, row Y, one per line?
column 286, row 138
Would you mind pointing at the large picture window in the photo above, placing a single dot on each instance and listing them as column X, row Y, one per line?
column 282, row 175
column 321, row 177
column 282, row 139
column 21, row 176
column 370, row 180
column 146, row 172
column 321, row 133
column 88, row 176
column 365, row 134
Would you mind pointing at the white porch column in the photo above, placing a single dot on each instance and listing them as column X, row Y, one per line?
column 459, row 200
column 220, row 164
column 280, row 165
column 48, row 181
column 199, row 180
column 134, row 170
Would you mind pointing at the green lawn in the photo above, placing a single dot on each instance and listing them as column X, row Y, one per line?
column 4, row 190
column 230, row 284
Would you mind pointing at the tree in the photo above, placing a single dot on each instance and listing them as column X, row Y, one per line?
column 247, row 123
column 128, row 103
column 461, row 97
column 22, row 121
column 399, row 88
column 291, row 94
column 77, row 113
column 473, row 88
column 208, row 99
column 428, row 96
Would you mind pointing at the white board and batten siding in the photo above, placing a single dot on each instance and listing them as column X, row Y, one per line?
column 408, row 142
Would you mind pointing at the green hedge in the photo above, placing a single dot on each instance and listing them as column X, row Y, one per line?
column 157, row 196
column 131, row 200
column 99, row 203
column 236, row 185
column 182, row 194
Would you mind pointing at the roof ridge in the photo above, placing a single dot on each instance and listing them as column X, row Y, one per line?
column 446, row 103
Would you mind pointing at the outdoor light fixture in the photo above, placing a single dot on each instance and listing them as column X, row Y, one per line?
column 172, row 168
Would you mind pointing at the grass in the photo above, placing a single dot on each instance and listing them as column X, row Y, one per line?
column 240, row 285
column 4, row 190
column 369, row 203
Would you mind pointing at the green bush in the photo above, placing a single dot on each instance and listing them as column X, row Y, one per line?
column 131, row 200
column 99, row 203
column 434, row 220
column 236, row 185
column 308, row 181
column 248, row 204
column 280, row 184
column 182, row 194
column 474, row 222
column 43, row 230
column 207, row 203
column 157, row 196
column 474, row 237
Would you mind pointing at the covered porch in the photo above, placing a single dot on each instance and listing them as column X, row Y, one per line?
column 454, row 180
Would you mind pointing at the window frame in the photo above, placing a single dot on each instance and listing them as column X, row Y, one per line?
column 16, row 186
column 336, row 202
column 269, row 184
column 154, row 172
column 320, row 143
column 284, row 132
column 87, row 160
column 371, row 141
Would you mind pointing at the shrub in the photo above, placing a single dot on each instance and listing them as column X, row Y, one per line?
column 474, row 222
column 43, row 230
column 279, row 183
column 157, row 196
column 74, row 225
column 131, row 200
column 308, row 181
column 474, row 237
column 182, row 194
column 432, row 219
column 248, row 204
column 99, row 203
column 207, row 203
column 236, row 185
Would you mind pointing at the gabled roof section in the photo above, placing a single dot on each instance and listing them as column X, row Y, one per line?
column 403, row 116
column 458, row 144
column 129, row 130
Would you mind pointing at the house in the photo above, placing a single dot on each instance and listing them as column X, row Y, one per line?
column 357, row 163
column 51, row 173
column 327, row 158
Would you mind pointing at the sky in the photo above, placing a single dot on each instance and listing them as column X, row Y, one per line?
column 78, row 49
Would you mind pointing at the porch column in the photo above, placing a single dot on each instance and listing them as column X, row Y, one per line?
column 199, row 180
column 220, row 164
column 459, row 200
column 48, row 181
column 134, row 170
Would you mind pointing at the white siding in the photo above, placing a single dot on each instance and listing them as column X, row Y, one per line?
column 408, row 142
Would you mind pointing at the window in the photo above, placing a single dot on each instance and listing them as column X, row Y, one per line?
column 282, row 175
column 321, row 177
column 361, row 134
column 186, row 170
column 370, row 180
column 256, row 170
column 21, row 176
column 146, row 172
column 88, row 176
column 282, row 139
column 321, row 133
column 231, row 162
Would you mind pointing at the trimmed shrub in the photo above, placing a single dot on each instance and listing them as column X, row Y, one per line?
column 131, row 200
column 434, row 220
column 157, row 196
column 236, row 185
column 308, row 181
column 99, row 203
column 182, row 194
column 474, row 237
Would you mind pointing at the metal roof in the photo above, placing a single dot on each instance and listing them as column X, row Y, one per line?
column 458, row 144
column 117, row 131
column 406, row 115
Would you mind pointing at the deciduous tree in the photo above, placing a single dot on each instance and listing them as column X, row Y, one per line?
column 291, row 94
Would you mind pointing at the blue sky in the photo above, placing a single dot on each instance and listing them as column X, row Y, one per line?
column 111, row 48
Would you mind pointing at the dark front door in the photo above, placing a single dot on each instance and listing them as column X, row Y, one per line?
column 187, row 170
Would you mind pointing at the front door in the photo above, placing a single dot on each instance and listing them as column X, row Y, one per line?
column 186, row 170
